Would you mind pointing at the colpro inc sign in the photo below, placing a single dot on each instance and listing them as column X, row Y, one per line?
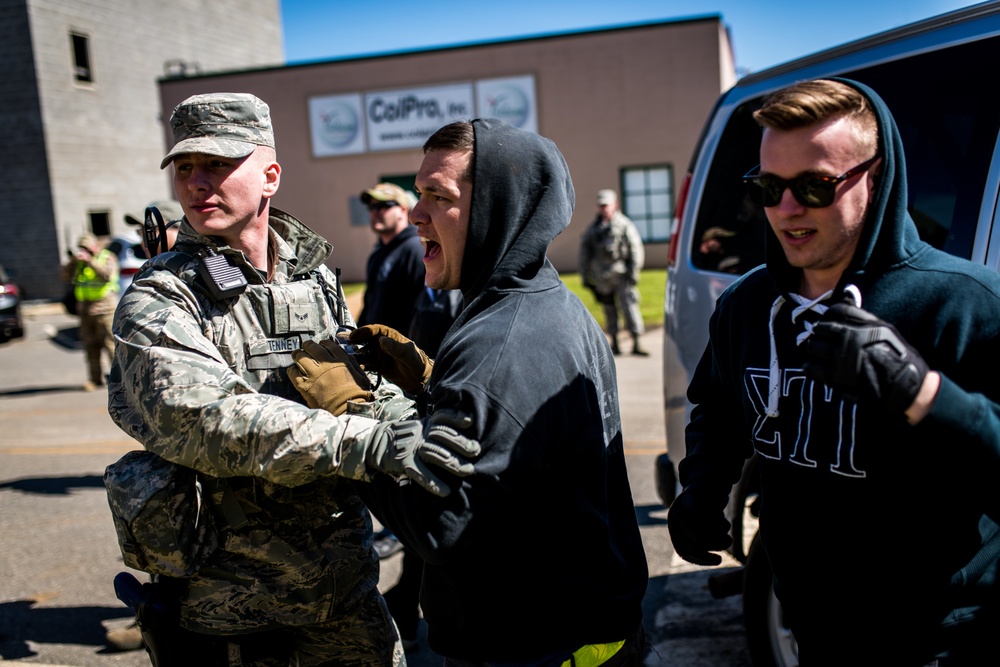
column 404, row 118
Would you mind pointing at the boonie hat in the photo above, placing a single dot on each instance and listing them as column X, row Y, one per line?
column 386, row 192
column 170, row 210
column 225, row 124
column 606, row 197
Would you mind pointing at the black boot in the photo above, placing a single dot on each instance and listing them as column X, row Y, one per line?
column 615, row 350
column 637, row 349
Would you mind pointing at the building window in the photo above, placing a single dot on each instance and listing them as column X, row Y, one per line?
column 100, row 223
column 81, row 58
column 648, row 199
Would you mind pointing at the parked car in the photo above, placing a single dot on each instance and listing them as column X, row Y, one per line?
column 931, row 75
column 11, row 325
column 131, row 255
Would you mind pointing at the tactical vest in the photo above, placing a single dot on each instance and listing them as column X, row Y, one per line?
column 257, row 331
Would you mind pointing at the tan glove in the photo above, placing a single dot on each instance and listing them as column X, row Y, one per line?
column 395, row 356
column 327, row 377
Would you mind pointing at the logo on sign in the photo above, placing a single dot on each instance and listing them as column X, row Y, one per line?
column 339, row 125
column 510, row 105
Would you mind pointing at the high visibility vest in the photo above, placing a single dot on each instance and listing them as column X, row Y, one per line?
column 87, row 286
column 593, row 655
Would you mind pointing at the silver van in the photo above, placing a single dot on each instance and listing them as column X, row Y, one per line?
column 939, row 78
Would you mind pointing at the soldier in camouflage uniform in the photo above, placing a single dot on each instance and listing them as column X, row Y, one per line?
column 611, row 258
column 200, row 379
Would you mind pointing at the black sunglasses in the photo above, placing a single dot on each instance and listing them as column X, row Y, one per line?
column 812, row 191
column 381, row 205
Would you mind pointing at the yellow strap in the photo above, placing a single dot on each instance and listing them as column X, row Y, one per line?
column 593, row 655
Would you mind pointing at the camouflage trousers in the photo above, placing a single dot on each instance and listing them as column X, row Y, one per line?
column 364, row 635
column 96, row 336
column 626, row 297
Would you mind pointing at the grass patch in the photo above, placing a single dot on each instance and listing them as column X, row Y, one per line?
column 652, row 284
column 652, row 287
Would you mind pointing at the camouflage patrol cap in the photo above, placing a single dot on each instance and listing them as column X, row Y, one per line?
column 224, row 124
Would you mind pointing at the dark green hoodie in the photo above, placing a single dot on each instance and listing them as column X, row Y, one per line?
column 883, row 536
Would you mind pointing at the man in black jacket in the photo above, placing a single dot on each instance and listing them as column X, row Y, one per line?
column 536, row 559
column 395, row 273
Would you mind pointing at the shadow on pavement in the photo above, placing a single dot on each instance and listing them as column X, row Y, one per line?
column 28, row 391
column 644, row 515
column 21, row 621
column 68, row 338
column 54, row 485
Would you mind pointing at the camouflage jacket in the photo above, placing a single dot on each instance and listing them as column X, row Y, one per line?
column 202, row 383
column 611, row 252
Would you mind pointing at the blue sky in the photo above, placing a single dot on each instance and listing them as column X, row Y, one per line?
column 764, row 32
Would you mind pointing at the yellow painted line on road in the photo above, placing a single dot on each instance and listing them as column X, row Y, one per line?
column 644, row 447
column 107, row 447
column 45, row 412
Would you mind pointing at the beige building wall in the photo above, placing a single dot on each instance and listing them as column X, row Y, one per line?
column 609, row 99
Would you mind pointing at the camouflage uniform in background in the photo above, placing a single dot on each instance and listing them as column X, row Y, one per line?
column 203, row 383
column 611, row 258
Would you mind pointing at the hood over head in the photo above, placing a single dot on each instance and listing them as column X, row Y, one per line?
column 522, row 198
column 889, row 234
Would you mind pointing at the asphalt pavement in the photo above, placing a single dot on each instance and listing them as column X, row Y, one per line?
column 58, row 554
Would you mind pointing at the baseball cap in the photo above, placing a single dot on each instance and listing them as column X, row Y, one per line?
column 168, row 208
column 386, row 192
column 225, row 124
column 606, row 197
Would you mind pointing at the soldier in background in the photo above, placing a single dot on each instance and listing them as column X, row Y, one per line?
column 93, row 272
column 611, row 258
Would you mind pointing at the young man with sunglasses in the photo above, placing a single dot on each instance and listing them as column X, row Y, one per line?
column 860, row 364
column 395, row 272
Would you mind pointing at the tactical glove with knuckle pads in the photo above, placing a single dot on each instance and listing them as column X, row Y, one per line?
column 406, row 450
column 861, row 355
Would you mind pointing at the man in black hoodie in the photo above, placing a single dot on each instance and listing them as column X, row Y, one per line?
column 536, row 559
column 860, row 364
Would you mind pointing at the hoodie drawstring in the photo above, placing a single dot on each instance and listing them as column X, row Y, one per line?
column 774, row 372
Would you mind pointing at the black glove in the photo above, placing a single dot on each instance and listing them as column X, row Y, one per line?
column 857, row 353
column 696, row 530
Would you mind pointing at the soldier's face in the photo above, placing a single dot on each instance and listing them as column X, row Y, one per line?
column 442, row 215
column 220, row 196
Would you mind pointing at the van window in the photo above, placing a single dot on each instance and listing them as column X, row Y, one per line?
column 948, row 117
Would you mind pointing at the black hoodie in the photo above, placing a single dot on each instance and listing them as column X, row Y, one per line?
column 539, row 552
column 883, row 536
